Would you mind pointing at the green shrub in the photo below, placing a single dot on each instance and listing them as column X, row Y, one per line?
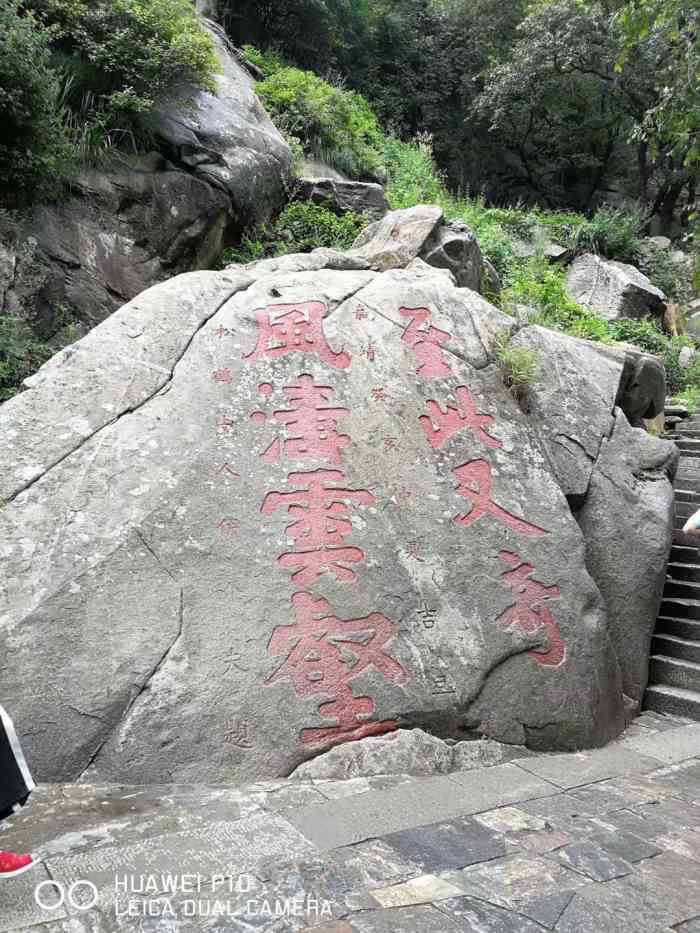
column 672, row 277
column 412, row 176
column 541, row 286
column 612, row 233
column 519, row 368
column 300, row 228
column 333, row 124
column 21, row 354
column 268, row 62
column 34, row 148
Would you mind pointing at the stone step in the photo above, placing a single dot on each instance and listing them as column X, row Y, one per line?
column 684, row 509
column 679, row 609
column 678, row 571
column 680, row 628
column 672, row 672
column 691, row 496
column 683, row 430
column 681, row 589
column 671, row 646
column 684, row 555
column 676, row 409
column 689, row 483
column 672, row 700
column 688, row 448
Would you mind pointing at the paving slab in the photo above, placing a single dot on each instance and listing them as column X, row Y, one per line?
column 421, row 890
column 449, row 845
column 425, row 919
column 670, row 746
column 516, row 877
column 19, row 907
column 592, row 860
column 418, row 802
column 478, row 916
column 574, row 770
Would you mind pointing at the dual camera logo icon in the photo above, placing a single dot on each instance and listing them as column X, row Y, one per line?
column 81, row 895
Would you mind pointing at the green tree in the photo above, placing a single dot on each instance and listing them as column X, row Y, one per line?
column 34, row 149
column 121, row 56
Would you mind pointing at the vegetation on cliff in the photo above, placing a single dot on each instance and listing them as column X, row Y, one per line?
column 78, row 77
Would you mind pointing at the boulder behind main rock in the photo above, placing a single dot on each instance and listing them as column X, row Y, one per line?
column 613, row 289
column 422, row 232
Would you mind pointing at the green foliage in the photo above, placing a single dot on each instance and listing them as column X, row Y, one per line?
column 674, row 118
column 333, row 124
column 300, row 228
column 540, row 286
column 612, row 233
column 20, row 354
column 124, row 55
column 266, row 61
column 519, row 368
column 78, row 76
column 34, row 149
column 412, row 176
column 673, row 277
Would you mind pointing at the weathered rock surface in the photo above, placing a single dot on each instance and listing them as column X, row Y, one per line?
column 407, row 751
column 613, row 289
column 627, row 521
column 258, row 513
column 344, row 196
column 148, row 218
column 422, row 232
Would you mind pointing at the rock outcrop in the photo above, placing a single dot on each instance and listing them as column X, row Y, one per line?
column 406, row 751
column 613, row 289
column 422, row 232
column 262, row 512
column 341, row 197
column 222, row 167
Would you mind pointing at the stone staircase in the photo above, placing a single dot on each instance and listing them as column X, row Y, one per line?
column 674, row 668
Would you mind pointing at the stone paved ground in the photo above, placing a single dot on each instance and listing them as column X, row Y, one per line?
column 606, row 840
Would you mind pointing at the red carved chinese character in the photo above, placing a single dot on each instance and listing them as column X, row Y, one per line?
column 224, row 424
column 320, row 526
column 475, row 483
column 453, row 420
column 298, row 328
column 360, row 314
column 222, row 375
column 228, row 526
column 390, row 443
column 313, row 423
column 227, row 468
column 379, row 395
column 323, row 654
column 426, row 344
column 528, row 610
column 370, row 352
column 222, row 331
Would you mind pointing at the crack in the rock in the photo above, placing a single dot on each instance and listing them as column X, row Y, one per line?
column 160, row 663
column 153, row 554
column 132, row 408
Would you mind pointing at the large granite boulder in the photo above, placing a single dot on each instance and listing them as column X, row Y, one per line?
column 422, row 232
column 341, row 197
column 262, row 512
column 222, row 167
column 613, row 289
column 627, row 521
